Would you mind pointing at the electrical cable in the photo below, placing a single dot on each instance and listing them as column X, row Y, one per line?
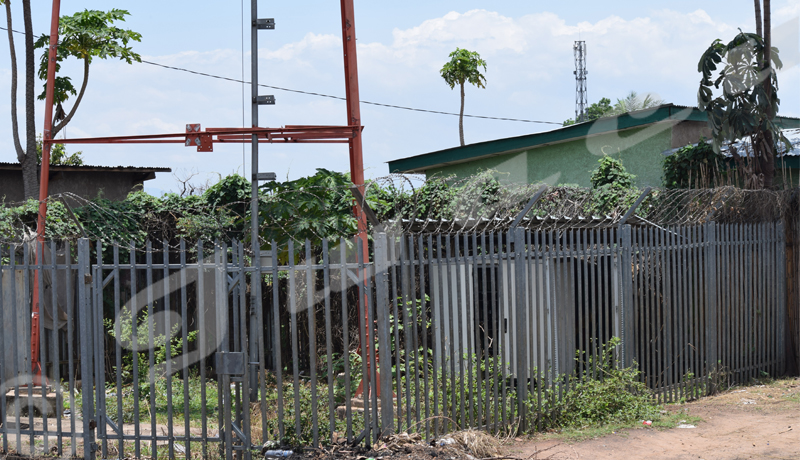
column 311, row 93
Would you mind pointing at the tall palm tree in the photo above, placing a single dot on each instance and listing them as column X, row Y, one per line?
column 633, row 102
column 464, row 67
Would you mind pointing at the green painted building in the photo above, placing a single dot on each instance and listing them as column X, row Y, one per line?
column 568, row 155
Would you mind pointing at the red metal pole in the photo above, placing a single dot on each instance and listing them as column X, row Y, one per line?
column 44, row 182
column 356, row 161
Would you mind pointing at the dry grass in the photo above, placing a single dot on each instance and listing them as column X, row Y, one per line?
column 478, row 443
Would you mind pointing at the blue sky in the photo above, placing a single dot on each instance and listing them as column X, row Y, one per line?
column 643, row 46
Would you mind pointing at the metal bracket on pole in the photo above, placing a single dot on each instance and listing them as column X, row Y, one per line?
column 528, row 206
column 265, row 100
column 635, row 205
column 265, row 176
column 265, row 24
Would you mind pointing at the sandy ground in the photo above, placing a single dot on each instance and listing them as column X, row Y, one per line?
column 761, row 422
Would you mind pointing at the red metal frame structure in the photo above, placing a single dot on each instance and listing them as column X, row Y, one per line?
column 204, row 141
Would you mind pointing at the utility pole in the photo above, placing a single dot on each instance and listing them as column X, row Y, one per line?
column 581, row 98
column 43, row 189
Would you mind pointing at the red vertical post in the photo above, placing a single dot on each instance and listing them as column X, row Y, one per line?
column 356, row 159
column 44, row 182
column 353, row 107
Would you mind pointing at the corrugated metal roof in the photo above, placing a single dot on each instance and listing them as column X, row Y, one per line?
column 470, row 152
column 93, row 168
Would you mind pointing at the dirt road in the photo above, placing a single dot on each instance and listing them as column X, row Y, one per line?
column 760, row 422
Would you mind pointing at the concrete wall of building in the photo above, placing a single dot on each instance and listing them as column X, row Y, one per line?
column 112, row 185
column 639, row 149
column 10, row 186
column 689, row 132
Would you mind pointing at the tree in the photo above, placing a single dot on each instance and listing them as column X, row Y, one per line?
column 630, row 103
column 748, row 101
column 27, row 156
column 633, row 102
column 464, row 67
column 84, row 35
column 597, row 110
column 695, row 166
column 59, row 155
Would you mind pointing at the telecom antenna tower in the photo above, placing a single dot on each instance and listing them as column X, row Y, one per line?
column 580, row 81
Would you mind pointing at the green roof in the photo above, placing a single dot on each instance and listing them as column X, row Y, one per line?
column 667, row 112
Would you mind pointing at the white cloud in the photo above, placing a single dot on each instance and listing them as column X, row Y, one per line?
column 530, row 75
column 311, row 42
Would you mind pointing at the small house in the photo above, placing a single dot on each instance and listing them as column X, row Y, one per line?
column 567, row 155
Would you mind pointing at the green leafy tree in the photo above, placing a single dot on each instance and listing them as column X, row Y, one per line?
column 59, row 155
column 600, row 109
column 694, row 166
column 464, row 67
column 744, row 70
column 314, row 207
column 85, row 35
column 611, row 172
column 612, row 187
column 630, row 103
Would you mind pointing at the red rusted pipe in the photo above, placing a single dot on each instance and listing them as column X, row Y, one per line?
column 356, row 159
column 43, row 183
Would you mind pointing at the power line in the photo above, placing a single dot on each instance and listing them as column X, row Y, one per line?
column 311, row 93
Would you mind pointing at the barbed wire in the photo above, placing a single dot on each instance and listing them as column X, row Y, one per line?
column 403, row 204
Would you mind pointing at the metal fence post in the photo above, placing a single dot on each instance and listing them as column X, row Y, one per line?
column 521, row 322
column 626, row 312
column 783, row 311
column 87, row 344
column 384, row 340
column 711, row 297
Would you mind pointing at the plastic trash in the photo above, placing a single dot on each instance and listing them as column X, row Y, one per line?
column 684, row 425
column 278, row 453
column 270, row 445
column 647, row 422
column 446, row 442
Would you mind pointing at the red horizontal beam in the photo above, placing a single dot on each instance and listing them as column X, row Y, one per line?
column 317, row 134
column 223, row 140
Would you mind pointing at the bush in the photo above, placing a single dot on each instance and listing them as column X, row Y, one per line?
column 694, row 166
column 614, row 395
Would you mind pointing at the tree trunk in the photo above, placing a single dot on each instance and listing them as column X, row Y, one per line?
column 758, row 19
column 768, row 167
column 13, row 52
column 29, row 177
column 461, row 117
column 59, row 126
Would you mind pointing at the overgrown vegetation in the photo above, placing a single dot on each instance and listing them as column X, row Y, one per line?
column 310, row 208
column 630, row 103
column 615, row 395
column 695, row 166
column 745, row 69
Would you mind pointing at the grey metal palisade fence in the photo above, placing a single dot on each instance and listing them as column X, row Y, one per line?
column 159, row 352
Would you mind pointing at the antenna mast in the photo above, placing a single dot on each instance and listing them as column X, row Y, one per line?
column 580, row 81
